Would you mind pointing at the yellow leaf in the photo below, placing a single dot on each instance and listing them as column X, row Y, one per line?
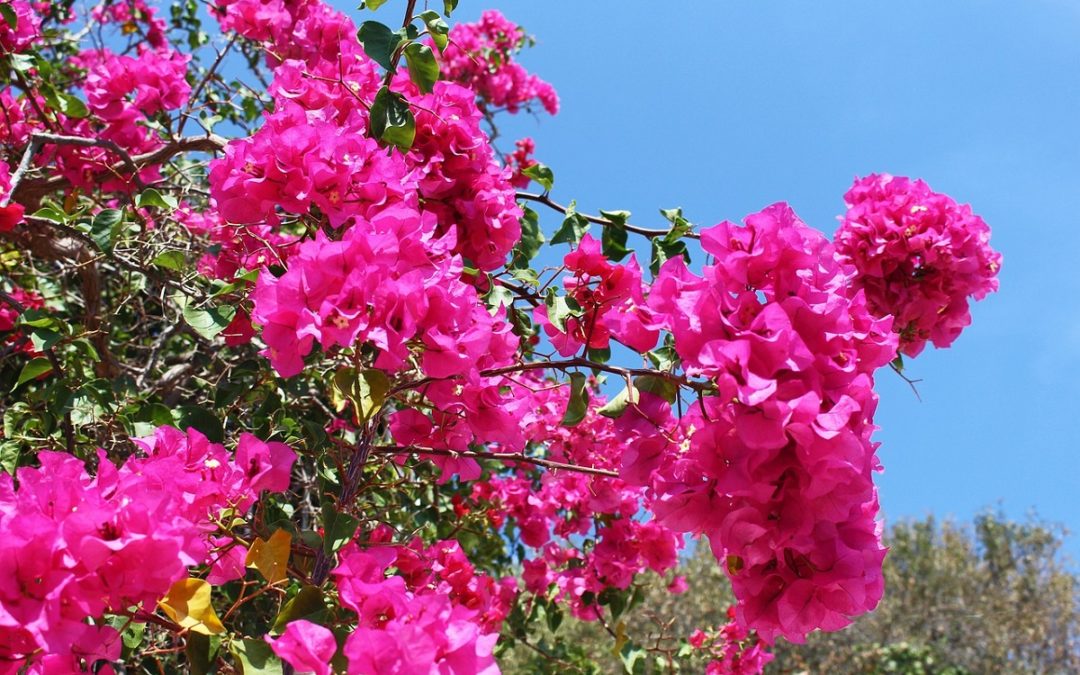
column 188, row 604
column 271, row 556
column 620, row 638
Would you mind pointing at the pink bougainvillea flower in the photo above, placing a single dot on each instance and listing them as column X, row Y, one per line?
column 306, row 646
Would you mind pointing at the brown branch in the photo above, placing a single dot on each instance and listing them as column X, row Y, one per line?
column 645, row 232
column 28, row 192
column 503, row 456
column 349, row 485
column 565, row 365
column 396, row 57
column 58, row 139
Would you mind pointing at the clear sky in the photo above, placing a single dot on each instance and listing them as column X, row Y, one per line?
column 724, row 107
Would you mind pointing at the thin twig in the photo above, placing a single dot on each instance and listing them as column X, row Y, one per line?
column 565, row 365
column 59, row 139
column 208, row 143
column 503, row 456
column 645, row 232
column 905, row 378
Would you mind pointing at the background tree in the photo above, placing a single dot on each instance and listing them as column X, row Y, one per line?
column 994, row 596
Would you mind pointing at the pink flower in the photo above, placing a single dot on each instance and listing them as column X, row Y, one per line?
column 697, row 638
column 481, row 56
column 267, row 466
column 306, row 646
column 918, row 256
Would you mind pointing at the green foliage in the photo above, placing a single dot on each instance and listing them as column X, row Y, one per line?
column 391, row 119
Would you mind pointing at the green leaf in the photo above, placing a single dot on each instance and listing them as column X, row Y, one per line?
column 170, row 260
column 449, row 6
column 198, row 653
column 22, row 62
column 554, row 617
column 658, row 386
column 72, row 106
column 423, row 68
column 526, row 276
column 206, row 322
column 45, row 330
column 379, row 42
column 618, row 405
column 366, row 391
column 40, row 318
column 614, row 237
column 339, row 528
column 10, row 452
column 133, row 635
column 372, row 4
column 86, row 349
column 614, row 599
column 541, row 174
column 306, row 604
column 578, row 404
column 560, row 308
column 664, row 358
column 151, row 197
column 599, row 355
column 437, row 27
column 34, row 369
column 499, row 296
column 679, row 224
column 49, row 213
column 8, row 12
column 202, row 420
column 532, row 239
column 573, row 228
column 391, row 120
column 663, row 250
column 255, row 657
column 634, row 658
column 105, row 227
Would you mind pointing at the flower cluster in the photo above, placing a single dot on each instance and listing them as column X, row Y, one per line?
column 134, row 16
column 387, row 282
column 9, row 317
column 11, row 214
column 74, row 546
column 300, row 159
column 122, row 92
column 919, row 256
column 565, row 506
column 612, row 302
column 774, row 466
column 458, row 175
column 436, row 615
column 119, row 88
column 24, row 32
column 481, row 57
column 519, row 160
column 315, row 149
column 261, row 20
column 734, row 651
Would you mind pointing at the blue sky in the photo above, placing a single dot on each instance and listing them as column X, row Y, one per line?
column 725, row 107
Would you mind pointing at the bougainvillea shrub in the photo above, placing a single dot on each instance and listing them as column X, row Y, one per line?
column 304, row 374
